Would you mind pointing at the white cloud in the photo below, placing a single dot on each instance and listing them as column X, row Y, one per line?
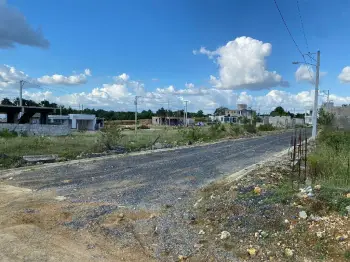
column 14, row 29
column 123, row 77
column 56, row 79
column 189, row 85
column 87, row 72
column 119, row 95
column 306, row 73
column 242, row 65
column 344, row 76
column 10, row 75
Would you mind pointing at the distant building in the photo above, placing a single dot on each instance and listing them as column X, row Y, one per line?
column 234, row 115
column 77, row 121
column 242, row 110
column 172, row 120
column 341, row 114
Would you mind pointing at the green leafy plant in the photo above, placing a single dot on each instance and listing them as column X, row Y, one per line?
column 8, row 134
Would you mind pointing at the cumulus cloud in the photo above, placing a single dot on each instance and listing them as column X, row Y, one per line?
column 15, row 29
column 306, row 73
column 56, row 79
column 10, row 75
column 123, row 77
column 242, row 65
column 344, row 76
column 189, row 85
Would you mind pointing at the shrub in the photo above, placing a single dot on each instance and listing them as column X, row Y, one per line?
column 8, row 134
column 194, row 133
column 266, row 127
column 111, row 137
column 250, row 128
column 235, row 129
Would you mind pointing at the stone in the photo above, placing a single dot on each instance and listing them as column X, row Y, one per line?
column 320, row 234
column 182, row 258
column 197, row 203
column 158, row 146
column 40, row 158
column 201, row 232
column 60, row 198
column 121, row 215
column 224, row 235
column 264, row 234
column 348, row 195
column 251, row 252
column 348, row 209
column 257, row 190
column 302, row 214
column 317, row 187
column 288, row 252
column 198, row 246
column 340, row 238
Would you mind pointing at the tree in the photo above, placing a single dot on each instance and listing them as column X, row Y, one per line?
column 200, row 113
column 279, row 111
column 220, row 110
column 7, row 102
column 161, row 112
column 325, row 118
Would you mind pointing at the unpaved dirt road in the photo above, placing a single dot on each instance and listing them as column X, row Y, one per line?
column 104, row 209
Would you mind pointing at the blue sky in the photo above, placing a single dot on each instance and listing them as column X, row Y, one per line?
column 151, row 40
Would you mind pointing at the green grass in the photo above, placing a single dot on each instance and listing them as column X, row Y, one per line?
column 73, row 145
column 330, row 163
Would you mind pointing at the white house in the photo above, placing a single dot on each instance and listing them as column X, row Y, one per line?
column 75, row 121
column 82, row 121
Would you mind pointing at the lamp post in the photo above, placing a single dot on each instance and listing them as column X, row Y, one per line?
column 314, row 112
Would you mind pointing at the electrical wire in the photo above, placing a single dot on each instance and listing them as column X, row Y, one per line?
column 290, row 34
column 302, row 27
column 295, row 43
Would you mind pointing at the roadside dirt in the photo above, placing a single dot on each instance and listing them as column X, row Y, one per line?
column 32, row 228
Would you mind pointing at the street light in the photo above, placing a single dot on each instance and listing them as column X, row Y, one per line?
column 314, row 112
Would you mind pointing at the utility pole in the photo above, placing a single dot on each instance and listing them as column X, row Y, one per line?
column 186, row 101
column 314, row 111
column 136, row 97
column 314, row 116
column 168, row 114
column 21, row 84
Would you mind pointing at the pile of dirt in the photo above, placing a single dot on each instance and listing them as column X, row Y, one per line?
column 33, row 227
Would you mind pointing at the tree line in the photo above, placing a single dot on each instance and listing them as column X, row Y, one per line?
column 107, row 115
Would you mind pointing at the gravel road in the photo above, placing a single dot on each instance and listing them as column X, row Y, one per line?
column 151, row 180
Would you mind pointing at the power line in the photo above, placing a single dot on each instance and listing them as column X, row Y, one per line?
column 295, row 43
column 302, row 26
column 284, row 21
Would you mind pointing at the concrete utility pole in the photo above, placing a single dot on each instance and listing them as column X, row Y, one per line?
column 136, row 97
column 314, row 111
column 314, row 116
column 186, row 101
column 168, row 114
column 21, row 84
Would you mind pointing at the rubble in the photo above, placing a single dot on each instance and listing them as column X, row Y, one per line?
column 224, row 235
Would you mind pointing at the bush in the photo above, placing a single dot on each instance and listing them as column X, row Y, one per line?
column 8, row 134
column 111, row 137
column 250, row 128
column 266, row 127
column 194, row 134
column 235, row 129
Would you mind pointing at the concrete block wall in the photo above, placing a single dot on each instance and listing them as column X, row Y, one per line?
column 37, row 129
